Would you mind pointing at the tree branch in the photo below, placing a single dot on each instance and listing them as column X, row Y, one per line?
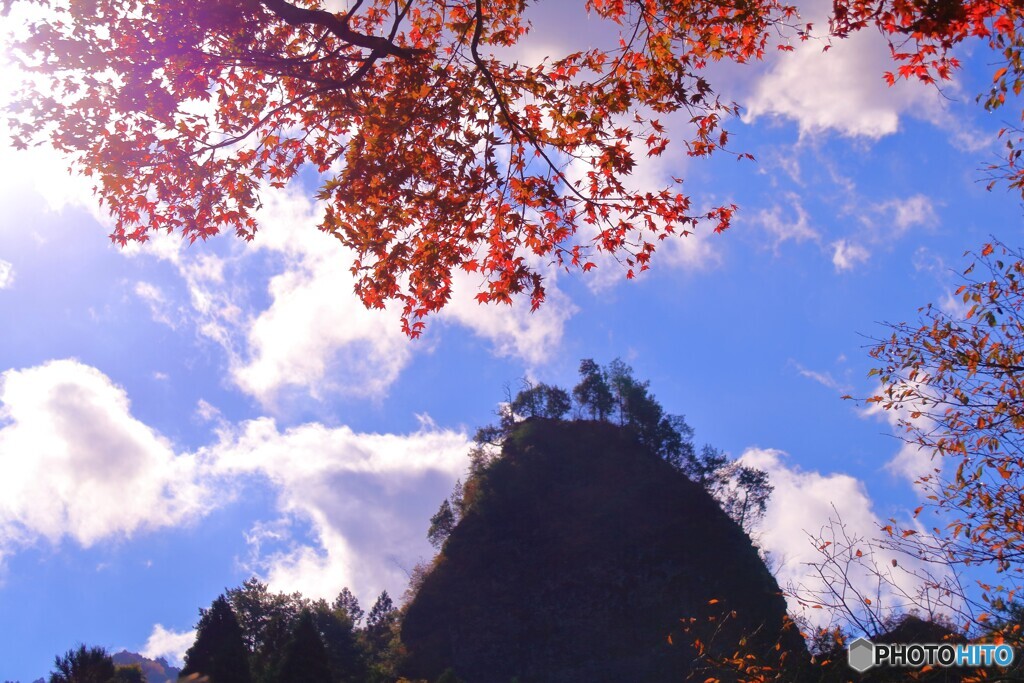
column 339, row 26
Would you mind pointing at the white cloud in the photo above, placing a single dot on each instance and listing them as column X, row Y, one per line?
column 316, row 335
column 6, row 274
column 690, row 252
column 797, row 228
column 825, row 379
column 910, row 462
column 846, row 255
column 903, row 214
column 513, row 330
column 840, row 90
column 75, row 463
column 927, row 261
column 364, row 497
column 206, row 411
column 803, row 503
column 157, row 302
column 954, row 306
column 169, row 644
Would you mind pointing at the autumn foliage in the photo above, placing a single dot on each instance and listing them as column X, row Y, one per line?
column 956, row 381
column 436, row 149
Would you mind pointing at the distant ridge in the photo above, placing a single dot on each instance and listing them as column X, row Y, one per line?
column 156, row 670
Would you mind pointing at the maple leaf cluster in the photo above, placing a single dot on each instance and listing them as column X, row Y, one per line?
column 434, row 154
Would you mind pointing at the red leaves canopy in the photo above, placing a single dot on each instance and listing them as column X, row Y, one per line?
column 433, row 153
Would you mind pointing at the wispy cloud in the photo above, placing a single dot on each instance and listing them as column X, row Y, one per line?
column 6, row 274
column 846, row 255
column 796, row 226
column 154, row 298
column 900, row 215
column 825, row 379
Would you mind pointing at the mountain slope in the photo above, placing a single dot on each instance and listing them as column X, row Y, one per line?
column 577, row 556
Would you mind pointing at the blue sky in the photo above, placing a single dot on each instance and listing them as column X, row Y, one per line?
column 174, row 419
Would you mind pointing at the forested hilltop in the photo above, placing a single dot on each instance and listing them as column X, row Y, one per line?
column 577, row 554
column 591, row 542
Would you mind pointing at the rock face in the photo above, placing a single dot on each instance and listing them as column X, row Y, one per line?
column 577, row 556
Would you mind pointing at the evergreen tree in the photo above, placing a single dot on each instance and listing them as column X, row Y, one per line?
column 84, row 665
column 219, row 651
column 378, row 635
column 382, row 614
column 347, row 603
column 305, row 657
column 339, row 638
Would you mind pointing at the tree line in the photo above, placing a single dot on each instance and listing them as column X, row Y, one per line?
column 250, row 634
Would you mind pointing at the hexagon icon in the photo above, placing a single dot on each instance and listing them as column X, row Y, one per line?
column 861, row 655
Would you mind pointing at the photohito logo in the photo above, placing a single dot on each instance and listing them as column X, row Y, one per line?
column 863, row 654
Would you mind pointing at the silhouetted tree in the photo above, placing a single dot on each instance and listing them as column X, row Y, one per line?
column 747, row 498
column 266, row 619
column 457, row 499
column 742, row 491
column 592, row 394
column 612, row 393
column 381, row 617
column 84, row 665
column 305, row 658
column 668, row 436
column 347, row 603
column 541, row 400
column 379, row 632
column 219, row 651
column 441, row 524
column 339, row 638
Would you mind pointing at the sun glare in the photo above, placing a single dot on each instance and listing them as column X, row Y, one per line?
column 8, row 73
column 8, row 81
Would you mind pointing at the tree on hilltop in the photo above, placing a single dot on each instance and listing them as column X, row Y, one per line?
column 613, row 394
